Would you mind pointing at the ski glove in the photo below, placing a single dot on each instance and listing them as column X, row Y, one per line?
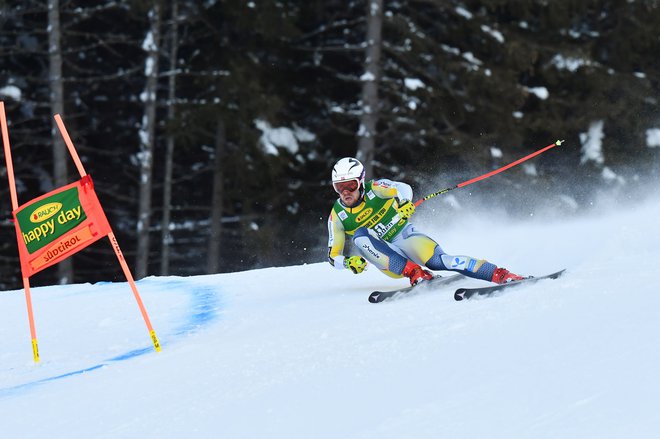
column 356, row 264
column 405, row 209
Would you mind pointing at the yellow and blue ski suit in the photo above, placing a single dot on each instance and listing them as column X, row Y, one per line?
column 387, row 241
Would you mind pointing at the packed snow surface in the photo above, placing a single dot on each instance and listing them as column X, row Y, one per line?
column 298, row 352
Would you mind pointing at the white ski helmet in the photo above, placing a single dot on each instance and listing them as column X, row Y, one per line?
column 348, row 169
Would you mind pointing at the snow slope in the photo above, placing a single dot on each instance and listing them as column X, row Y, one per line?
column 298, row 352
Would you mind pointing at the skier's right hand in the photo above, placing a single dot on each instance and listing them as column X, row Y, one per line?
column 356, row 264
column 405, row 209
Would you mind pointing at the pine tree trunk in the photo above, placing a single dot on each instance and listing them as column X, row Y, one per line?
column 147, row 140
column 370, row 79
column 60, row 154
column 213, row 259
column 166, row 236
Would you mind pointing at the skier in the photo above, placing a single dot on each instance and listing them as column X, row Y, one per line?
column 376, row 214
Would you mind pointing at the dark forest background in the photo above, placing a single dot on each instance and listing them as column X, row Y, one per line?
column 169, row 103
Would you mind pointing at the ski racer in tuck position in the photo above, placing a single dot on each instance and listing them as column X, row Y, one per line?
column 376, row 215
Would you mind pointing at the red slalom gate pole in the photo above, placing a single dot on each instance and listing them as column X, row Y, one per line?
column 490, row 174
column 111, row 237
column 14, row 206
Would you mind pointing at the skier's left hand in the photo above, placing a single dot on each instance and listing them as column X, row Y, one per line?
column 405, row 209
column 357, row 264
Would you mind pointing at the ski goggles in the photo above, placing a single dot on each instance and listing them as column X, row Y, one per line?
column 348, row 185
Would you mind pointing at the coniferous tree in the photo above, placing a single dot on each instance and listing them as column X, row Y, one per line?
column 152, row 47
column 463, row 86
column 370, row 83
column 166, row 237
column 60, row 154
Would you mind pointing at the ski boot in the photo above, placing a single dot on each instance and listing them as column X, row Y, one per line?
column 503, row 276
column 416, row 273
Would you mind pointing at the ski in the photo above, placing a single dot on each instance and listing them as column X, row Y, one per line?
column 466, row 293
column 380, row 296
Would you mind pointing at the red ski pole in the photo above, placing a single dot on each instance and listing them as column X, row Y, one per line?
column 490, row 174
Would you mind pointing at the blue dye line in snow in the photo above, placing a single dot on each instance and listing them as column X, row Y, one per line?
column 203, row 311
column 205, row 303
